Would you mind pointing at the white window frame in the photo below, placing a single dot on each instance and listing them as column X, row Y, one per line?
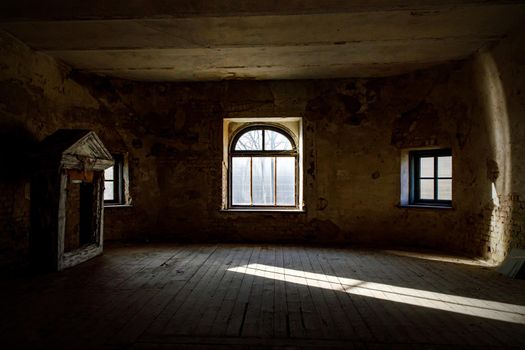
column 292, row 127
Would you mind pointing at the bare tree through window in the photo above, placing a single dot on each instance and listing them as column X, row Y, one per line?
column 263, row 168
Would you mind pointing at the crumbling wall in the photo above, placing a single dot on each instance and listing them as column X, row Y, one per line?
column 354, row 131
column 499, row 80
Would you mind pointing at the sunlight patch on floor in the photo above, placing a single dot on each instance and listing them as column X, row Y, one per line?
column 439, row 301
column 439, row 257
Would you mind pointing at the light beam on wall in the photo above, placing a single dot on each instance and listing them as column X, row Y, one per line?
column 432, row 300
column 494, row 106
column 495, row 198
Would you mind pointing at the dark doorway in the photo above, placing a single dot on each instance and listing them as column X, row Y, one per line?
column 79, row 212
column 86, row 232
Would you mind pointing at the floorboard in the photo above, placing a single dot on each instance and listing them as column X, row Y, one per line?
column 233, row 296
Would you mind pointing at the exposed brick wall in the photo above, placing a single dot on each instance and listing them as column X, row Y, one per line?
column 496, row 229
column 503, row 228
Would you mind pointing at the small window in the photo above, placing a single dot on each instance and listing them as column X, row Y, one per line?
column 263, row 163
column 431, row 177
column 114, row 182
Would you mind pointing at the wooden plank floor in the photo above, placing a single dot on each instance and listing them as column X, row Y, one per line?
column 264, row 296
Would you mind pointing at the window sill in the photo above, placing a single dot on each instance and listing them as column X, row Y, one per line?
column 423, row 206
column 117, row 205
column 262, row 210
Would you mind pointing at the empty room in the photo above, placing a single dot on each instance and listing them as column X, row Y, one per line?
column 262, row 174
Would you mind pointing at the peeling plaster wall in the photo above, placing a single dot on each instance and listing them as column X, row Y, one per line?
column 500, row 80
column 354, row 134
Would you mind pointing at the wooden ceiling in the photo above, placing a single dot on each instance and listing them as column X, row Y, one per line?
column 214, row 40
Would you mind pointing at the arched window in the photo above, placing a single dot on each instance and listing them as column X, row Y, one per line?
column 263, row 168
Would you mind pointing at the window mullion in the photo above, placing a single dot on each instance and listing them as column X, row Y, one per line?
column 116, row 178
column 436, row 178
column 275, row 181
column 251, row 180
column 417, row 182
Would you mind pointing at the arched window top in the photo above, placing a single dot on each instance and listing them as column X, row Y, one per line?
column 263, row 164
column 261, row 138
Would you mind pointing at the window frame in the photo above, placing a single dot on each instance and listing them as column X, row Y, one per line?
column 263, row 153
column 118, row 181
column 415, row 177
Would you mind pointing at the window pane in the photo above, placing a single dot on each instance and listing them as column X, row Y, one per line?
column 108, row 173
column 241, row 181
column 285, row 181
column 445, row 190
column 250, row 141
column 445, row 166
column 275, row 141
column 263, row 180
column 426, row 167
column 426, row 189
column 109, row 194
